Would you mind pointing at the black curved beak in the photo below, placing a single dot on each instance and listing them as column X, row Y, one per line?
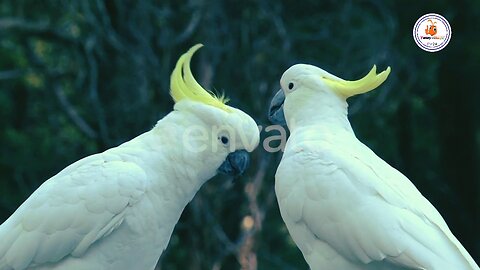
column 275, row 112
column 235, row 163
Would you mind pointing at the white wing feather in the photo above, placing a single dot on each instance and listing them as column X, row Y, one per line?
column 364, row 209
column 70, row 211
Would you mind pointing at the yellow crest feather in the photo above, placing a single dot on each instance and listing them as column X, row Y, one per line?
column 350, row 88
column 184, row 86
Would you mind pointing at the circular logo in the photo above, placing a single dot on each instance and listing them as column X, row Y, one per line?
column 432, row 32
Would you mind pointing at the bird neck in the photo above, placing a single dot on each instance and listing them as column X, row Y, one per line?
column 182, row 155
column 327, row 112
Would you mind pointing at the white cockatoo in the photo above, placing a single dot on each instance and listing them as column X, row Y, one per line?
column 345, row 207
column 117, row 209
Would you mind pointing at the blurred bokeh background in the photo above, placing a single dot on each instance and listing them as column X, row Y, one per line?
column 78, row 77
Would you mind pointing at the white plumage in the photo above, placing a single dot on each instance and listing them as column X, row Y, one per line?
column 117, row 209
column 344, row 206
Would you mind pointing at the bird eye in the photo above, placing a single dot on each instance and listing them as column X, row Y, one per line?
column 224, row 139
column 290, row 86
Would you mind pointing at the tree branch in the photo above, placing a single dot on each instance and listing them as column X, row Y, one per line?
column 72, row 112
column 93, row 90
column 253, row 224
column 39, row 29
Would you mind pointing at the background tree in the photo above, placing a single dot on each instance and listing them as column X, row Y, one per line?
column 78, row 77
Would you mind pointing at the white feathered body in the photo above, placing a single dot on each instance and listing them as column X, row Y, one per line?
column 346, row 208
column 117, row 210
column 112, row 210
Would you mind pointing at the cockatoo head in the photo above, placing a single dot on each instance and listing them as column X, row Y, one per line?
column 222, row 135
column 303, row 82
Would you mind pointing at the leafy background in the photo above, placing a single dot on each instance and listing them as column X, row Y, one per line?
column 78, row 77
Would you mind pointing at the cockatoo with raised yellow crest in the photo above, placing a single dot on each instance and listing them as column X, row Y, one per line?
column 345, row 207
column 117, row 209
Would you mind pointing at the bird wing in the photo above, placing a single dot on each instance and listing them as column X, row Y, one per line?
column 365, row 209
column 69, row 212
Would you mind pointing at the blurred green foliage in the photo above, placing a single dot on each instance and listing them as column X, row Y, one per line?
column 78, row 77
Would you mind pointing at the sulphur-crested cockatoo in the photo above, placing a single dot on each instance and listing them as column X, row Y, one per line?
column 345, row 207
column 117, row 209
